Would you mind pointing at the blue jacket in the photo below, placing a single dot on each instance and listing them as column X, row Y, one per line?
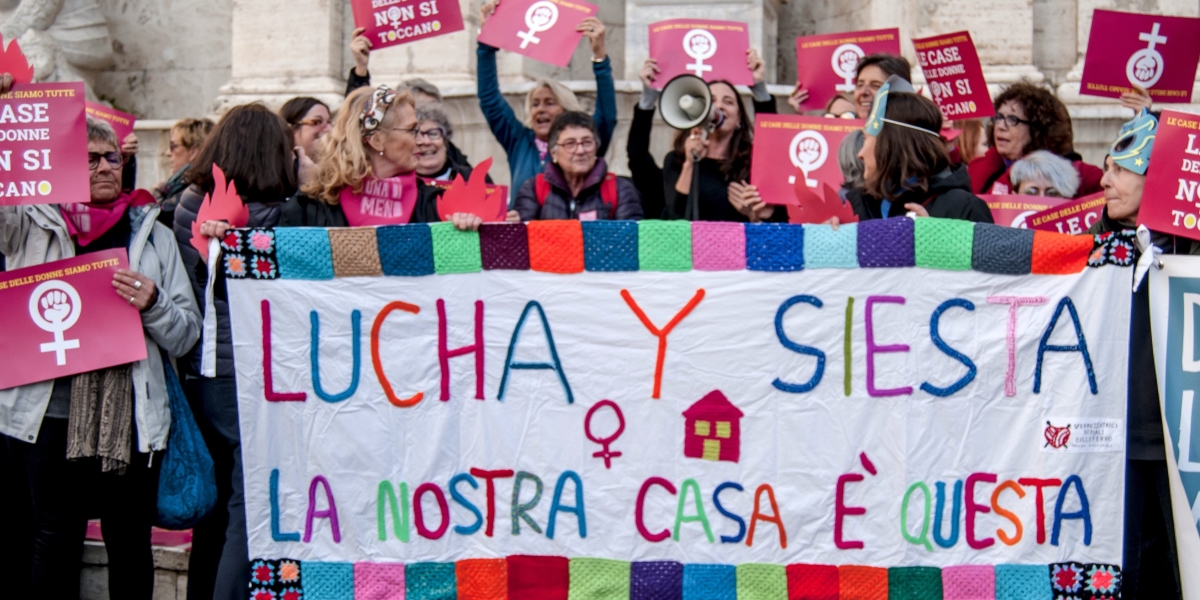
column 524, row 162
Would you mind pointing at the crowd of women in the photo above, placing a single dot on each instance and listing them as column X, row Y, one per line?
column 89, row 446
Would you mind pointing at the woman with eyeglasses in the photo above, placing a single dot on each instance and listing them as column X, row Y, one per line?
column 1044, row 173
column 437, row 157
column 187, row 136
column 309, row 120
column 1028, row 118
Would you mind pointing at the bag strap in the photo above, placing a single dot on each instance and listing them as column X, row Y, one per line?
column 541, row 188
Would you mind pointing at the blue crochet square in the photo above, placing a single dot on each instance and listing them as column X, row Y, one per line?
column 886, row 243
column 610, row 245
column 1002, row 250
column 430, row 581
column 304, row 253
column 656, row 580
column 1020, row 582
column 328, row 581
column 710, row 582
column 825, row 248
column 774, row 247
column 405, row 249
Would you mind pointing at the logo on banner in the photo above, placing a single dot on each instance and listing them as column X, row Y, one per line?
column 1145, row 67
column 808, row 152
column 54, row 306
column 1057, row 437
column 540, row 17
column 700, row 45
column 845, row 65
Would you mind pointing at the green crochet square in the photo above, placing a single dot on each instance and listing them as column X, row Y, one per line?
column 762, row 582
column 599, row 579
column 944, row 244
column 914, row 583
column 455, row 251
column 665, row 245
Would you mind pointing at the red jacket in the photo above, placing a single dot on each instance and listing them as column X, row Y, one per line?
column 989, row 175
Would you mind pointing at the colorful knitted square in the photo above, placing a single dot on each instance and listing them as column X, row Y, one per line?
column 250, row 254
column 556, row 246
column 944, row 244
column 429, row 581
column 276, row 580
column 762, row 582
column 862, row 583
column 656, row 580
column 812, row 582
column 1023, row 582
column 915, row 583
column 328, row 581
column 885, row 243
column 482, row 579
column 304, row 253
column 599, row 578
column 610, row 245
column 969, row 582
column 1067, row 580
column 378, row 581
column 718, row 246
column 1103, row 581
column 504, row 246
column 774, row 247
column 538, row 577
column 825, row 248
column 709, row 582
column 1112, row 248
column 405, row 250
column 1002, row 250
column 1058, row 254
column 454, row 251
column 355, row 252
column 665, row 245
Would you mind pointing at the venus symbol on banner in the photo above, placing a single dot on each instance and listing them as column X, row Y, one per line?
column 1146, row 67
column 540, row 17
column 700, row 45
column 845, row 65
column 54, row 306
column 808, row 152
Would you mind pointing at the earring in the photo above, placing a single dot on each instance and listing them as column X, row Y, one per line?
column 381, row 152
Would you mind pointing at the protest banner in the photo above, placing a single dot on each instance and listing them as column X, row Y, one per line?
column 710, row 50
column 543, row 29
column 1174, row 295
column 951, row 67
column 1014, row 210
column 122, row 122
column 1170, row 198
column 62, row 318
column 394, row 22
column 810, row 145
column 43, row 145
column 757, row 395
column 1072, row 218
column 1155, row 52
column 827, row 65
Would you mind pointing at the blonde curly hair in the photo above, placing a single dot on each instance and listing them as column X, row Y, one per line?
column 345, row 161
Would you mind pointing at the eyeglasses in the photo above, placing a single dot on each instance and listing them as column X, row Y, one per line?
column 846, row 115
column 1010, row 120
column 317, row 122
column 115, row 160
column 587, row 145
column 433, row 135
column 414, row 131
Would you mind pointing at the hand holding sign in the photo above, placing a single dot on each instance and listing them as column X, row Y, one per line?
column 545, row 30
column 393, row 22
column 828, row 64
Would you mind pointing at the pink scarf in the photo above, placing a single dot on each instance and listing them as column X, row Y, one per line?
column 382, row 202
column 87, row 221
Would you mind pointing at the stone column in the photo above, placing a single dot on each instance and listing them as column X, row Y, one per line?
column 1001, row 29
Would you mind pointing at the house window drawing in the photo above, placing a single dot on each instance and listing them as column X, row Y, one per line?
column 712, row 429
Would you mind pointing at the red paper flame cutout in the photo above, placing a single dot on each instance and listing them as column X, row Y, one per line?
column 813, row 208
column 13, row 61
column 223, row 204
column 472, row 197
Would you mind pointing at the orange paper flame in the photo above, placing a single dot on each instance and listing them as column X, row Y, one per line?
column 473, row 197
column 223, row 204
column 13, row 61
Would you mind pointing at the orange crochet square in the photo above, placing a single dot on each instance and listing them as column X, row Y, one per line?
column 1059, row 254
column 862, row 583
column 482, row 579
column 556, row 246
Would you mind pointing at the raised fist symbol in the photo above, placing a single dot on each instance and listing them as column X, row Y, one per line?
column 542, row 16
column 699, row 44
column 809, row 151
column 848, row 61
column 56, row 306
column 1145, row 68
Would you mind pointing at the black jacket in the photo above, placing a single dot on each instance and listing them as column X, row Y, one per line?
column 560, row 205
column 949, row 197
column 304, row 211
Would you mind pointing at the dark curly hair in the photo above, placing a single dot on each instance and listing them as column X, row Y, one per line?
column 736, row 165
column 1049, row 122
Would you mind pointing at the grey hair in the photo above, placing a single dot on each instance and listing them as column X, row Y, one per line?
column 100, row 131
column 563, row 94
column 1049, row 166
column 433, row 112
column 424, row 87
column 848, row 161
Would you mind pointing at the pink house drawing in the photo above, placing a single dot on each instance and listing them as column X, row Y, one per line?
column 712, row 429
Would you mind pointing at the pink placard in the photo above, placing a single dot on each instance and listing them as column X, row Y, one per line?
column 788, row 147
column 1171, row 196
column 1074, row 217
column 711, row 50
column 540, row 29
column 827, row 64
column 64, row 317
column 394, row 22
column 1014, row 210
column 1155, row 52
column 122, row 122
column 43, row 145
column 951, row 67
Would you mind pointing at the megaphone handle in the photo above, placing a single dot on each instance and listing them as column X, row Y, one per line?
column 692, row 212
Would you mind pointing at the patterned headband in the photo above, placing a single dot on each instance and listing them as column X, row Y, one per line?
column 372, row 114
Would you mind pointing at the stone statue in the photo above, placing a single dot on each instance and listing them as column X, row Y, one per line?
column 64, row 40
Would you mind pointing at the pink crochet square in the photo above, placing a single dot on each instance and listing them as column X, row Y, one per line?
column 378, row 581
column 969, row 582
column 718, row 246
